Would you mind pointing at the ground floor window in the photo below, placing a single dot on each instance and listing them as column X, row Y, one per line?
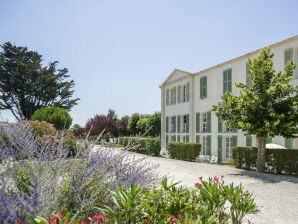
column 229, row 143
column 185, row 138
column 204, row 145
column 173, row 138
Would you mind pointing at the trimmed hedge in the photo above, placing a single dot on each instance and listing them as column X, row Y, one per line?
column 277, row 160
column 184, row 150
column 150, row 146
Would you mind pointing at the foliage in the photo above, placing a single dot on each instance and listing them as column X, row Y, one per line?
column 184, row 150
column 70, row 142
column 146, row 145
column 277, row 160
column 245, row 156
column 40, row 179
column 132, row 124
column 209, row 202
column 57, row 116
column 26, row 85
column 267, row 107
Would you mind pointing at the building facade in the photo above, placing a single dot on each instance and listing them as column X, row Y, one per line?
column 186, row 99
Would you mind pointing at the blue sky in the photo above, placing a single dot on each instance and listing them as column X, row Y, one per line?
column 119, row 52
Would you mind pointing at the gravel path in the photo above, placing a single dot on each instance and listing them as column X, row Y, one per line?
column 276, row 195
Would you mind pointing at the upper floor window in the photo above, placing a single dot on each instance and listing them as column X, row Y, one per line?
column 203, row 87
column 248, row 76
column 227, row 80
column 288, row 55
column 185, row 92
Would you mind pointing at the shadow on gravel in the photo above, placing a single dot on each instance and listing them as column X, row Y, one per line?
column 268, row 177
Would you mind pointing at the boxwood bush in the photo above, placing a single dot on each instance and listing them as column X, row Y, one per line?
column 277, row 160
column 148, row 145
column 184, row 150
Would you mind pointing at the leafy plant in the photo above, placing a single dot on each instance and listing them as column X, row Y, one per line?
column 184, row 150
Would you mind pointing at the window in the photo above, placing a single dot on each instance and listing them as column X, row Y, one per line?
column 248, row 77
column 227, row 129
column 248, row 140
column 228, row 147
column 204, row 145
column 204, row 122
column 185, row 92
column 203, row 87
column 167, row 97
column 185, row 127
column 289, row 143
column 173, row 138
column 173, row 124
column 173, row 96
column 227, row 80
column 185, row 138
column 288, row 55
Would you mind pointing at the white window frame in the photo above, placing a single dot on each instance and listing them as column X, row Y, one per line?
column 228, row 147
column 204, row 122
column 226, row 128
column 184, row 123
column 184, row 93
column 204, row 145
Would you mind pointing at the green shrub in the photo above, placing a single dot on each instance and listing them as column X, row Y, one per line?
column 277, row 160
column 70, row 142
column 246, row 156
column 57, row 116
column 184, row 150
column 149, row 145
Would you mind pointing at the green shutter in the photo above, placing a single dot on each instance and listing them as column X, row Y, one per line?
column 225, row 81
column 178, row 124
column 205, row 87
column 209, row 145
column 234, row 141
column 167, row 97
column 167, row 124
column 174, row 95
column 235, row 130
column 230, row 80
column 219, row 125
column 167, row 140
column 174, row 124
column 173, row 138
column 248, row 76
column 178, row 138
column 179, row 94
column 197, row 122
column 219, row 150
column 269, row 140
column 248, row 140
column 209, row 122
column 288, row 55
column 201, row 88
column 289, row 143
column 187, row 92
column 187, row 138
column 187, row 123
column 198, row 139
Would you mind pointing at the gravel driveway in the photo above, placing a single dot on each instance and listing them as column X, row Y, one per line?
column 276, row 195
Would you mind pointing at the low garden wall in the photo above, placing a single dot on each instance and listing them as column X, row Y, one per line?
column 277, row 160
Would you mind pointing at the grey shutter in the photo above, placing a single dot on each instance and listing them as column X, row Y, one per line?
column 187, row 92
column 209, row 122
column 167, row 97
column 187, row 123
column 219, row 125
column 179, row 94
column 178, row 123
column 209, row 145
column 167, row 124
column 288, row 55
column 197, row 122
column 219, row 150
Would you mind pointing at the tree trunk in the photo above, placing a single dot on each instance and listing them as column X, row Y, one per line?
column 261, row 154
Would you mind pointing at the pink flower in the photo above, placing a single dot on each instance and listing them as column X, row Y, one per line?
column 215, row 179
column 20, row 222
column 96, row 218
column 222, row 176
column 198, row 185
column 201, row 178
column 54, row 218
column 172, row 219
column 83, row 222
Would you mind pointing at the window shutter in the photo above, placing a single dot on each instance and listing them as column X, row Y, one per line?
column 178, row 124
column 219, row 126
column 179, row 94
column 197, row 122
column 178, row 138
column 289, row 143
column 235, row 130
column 198, row 139
column 205, row 87
column 248, row 140
column 288, row 55
column 209, row 145
column 201, row 87
column 174, row 95
column 225, row 81
column 234, row 141
column 230, row 80
column 167, row 124
column 174, row 124
column 248, row 76
column 269, row 140
column 187, row 123
column 187, row 92
column 219, row 150
column 209, row 121
column 167, row 140
column 187, row 138
column 167, row 97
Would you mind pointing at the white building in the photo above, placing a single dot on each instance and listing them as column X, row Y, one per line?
column 186, row 99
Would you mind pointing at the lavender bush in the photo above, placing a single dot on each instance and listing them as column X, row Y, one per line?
column 41, row 179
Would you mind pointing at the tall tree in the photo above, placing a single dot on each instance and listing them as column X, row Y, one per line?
column 268, row 107
column 27, row 85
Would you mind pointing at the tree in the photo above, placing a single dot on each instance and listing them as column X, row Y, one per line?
column 26, row 85
column 154, row 124
column 57, row 116
column 132, row 123
column 266, row 108
column 143, row 125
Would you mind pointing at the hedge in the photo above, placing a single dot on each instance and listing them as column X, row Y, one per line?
column 184, row 150
column 149, row 145
column 277, row 160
